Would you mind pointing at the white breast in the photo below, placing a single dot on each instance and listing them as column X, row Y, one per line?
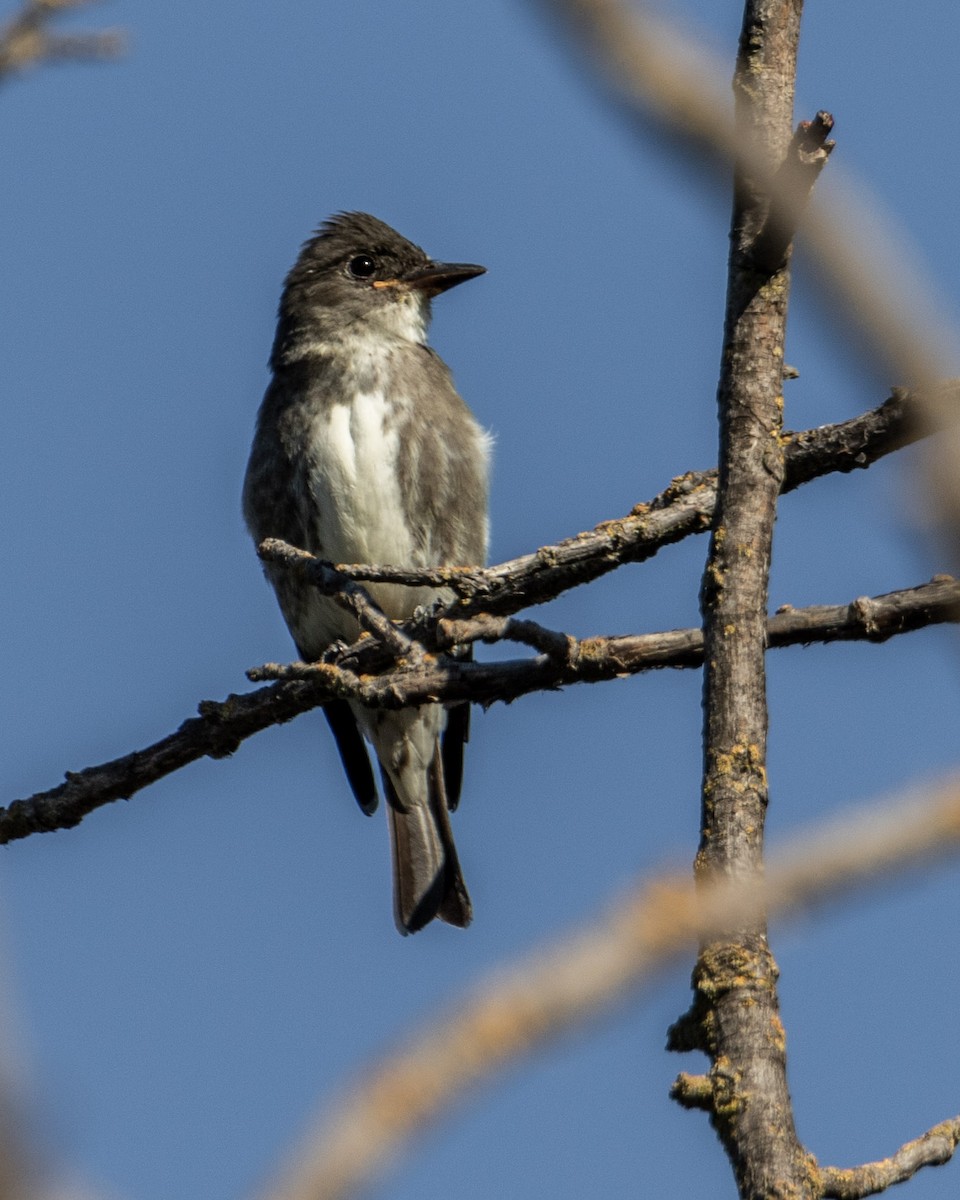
column 354, row 461
column 354, row 478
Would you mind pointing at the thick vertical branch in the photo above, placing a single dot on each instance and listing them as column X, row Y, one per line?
column 735, row 1017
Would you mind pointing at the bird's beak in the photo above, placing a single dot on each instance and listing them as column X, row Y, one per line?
column 435, row 277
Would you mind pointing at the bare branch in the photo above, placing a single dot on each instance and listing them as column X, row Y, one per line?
column 464, row 581
column 222, row 726
column 529, row 1006
column 215, row 733
column 26, row 41
column 931, row 1149
column 856, row 444
column 560, row 646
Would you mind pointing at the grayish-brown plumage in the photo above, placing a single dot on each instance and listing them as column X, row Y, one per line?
column 364, row 452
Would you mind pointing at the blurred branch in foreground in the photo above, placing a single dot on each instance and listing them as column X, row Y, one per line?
column 26, row 40
column 27, row 1170
column 527, row 1007
column 660, row 79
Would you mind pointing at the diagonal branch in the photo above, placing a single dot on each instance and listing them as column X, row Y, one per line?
column 348, row 594
column 222, row 726
column 932, row 1149
column 660, row 78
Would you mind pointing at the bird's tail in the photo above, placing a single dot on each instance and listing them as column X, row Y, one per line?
column 426, row 870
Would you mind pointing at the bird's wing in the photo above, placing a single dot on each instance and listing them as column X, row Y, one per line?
column 353, row 754
column 452, row 741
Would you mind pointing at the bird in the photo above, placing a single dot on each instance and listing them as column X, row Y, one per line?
column 364, row 452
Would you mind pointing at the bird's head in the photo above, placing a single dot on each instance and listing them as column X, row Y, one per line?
column 358, row 277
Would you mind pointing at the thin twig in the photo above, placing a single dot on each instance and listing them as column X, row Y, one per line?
column 463, row 581
column 351, row 597
column 550, row 642
column 932, row 1149
column 568, row 660
column 565, row 660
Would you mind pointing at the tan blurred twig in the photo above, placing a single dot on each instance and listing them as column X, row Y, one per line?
column 26, row 40
column 527, row 1007
column 661, row 78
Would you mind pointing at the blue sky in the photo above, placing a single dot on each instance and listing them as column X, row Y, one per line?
column 192, row 972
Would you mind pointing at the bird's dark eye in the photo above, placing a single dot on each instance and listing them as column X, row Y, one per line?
column 362, row 267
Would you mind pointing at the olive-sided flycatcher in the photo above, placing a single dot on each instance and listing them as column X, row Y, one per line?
column 364, row 453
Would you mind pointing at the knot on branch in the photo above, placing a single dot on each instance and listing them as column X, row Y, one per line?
column 725, row 967
column 695, row 1030
column 693, row 1091
column 680, row 486
column 810, row 138
column 219, row 718
column 865, row 612
column 790, row 188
